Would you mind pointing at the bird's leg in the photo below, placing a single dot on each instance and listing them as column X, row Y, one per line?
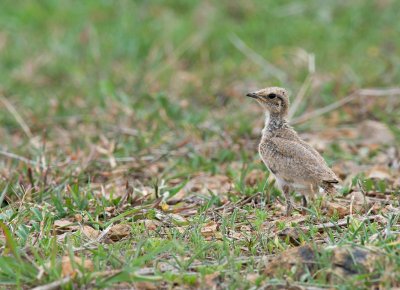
column 311, row 194
column 313, row 190
column 289, row 205
column 304, row 200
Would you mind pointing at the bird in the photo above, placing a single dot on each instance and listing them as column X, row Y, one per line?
column 295, row 165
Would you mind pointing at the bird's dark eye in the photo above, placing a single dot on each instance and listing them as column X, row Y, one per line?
column 271, row 96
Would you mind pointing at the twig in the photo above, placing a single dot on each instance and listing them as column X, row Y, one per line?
column 268, row 68
column 380, row 200
column 54, row 285
column 371, row 199
column 344, row 222
column 324, row 110
column 3, row 194
column 20, row 158
column 245, row 200
column 344, row 101
column 324, row 226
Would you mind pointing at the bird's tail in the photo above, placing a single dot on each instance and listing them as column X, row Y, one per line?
column 329, row 188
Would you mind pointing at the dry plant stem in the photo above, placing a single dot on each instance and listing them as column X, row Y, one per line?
column 374, row 199
column 20, row 158
column 54, row 285
column 351, row 206
column 300, row 96
column 344, row 101
column 268, row 68
column 324, row 226
column 244, row 201
column 344, row 222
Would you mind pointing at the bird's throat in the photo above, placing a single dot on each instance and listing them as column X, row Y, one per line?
column 273, row 122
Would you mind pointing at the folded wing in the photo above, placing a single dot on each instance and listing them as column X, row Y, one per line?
column 298, row 161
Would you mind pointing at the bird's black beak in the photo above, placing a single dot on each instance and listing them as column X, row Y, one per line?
column 252, row 95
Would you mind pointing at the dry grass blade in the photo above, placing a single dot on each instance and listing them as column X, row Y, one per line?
column 344, row 101
column 300, row 96
column 17, row 117
column 324, row 226
column 53, row 285
column 268, row 68
column 20, row 158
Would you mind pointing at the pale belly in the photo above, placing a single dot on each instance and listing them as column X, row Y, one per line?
column 293, row 185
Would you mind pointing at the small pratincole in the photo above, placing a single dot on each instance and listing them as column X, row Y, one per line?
column 295, row 165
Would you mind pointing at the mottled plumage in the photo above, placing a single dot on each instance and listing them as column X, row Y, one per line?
column 295, row 164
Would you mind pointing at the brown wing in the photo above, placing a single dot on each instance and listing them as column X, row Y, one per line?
column 296, row 161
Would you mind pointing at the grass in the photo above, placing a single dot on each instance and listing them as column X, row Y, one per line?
column 133, row 113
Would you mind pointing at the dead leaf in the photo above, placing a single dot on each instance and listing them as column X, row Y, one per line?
column 337, row 208
column 178, row 196
column 73, row 267
column 209, row 230
column 78, row 218
column 144, row 285
column 118, row 232
column 252, row 277
column 151, row 224
column 210, row 280
column 90, row 232
column 181, row 230
column 64, row 225
column 110, row 209
column 236, row 235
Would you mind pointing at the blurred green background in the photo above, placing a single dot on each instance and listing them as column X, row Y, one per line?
column 93, row 50
column 98, row 64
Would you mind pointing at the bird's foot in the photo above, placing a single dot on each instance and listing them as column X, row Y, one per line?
column 304, row 207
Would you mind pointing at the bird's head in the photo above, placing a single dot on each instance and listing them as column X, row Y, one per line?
column 273, row 99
